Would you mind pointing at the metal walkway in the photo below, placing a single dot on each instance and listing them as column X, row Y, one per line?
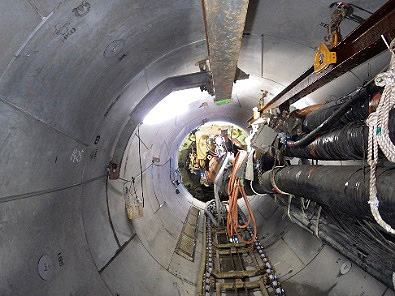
column 234, row 268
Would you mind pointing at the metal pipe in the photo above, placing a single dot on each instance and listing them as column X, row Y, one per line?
column 217, row 180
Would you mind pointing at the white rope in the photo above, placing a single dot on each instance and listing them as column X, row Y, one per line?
column 304, row 207
column 289, row 208
column 253, row 190
column 379, row 136
column 318, row 222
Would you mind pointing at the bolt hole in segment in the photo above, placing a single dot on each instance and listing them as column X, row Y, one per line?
column 215, row 164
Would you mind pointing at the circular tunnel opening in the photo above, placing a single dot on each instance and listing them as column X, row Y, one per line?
column 200, row 154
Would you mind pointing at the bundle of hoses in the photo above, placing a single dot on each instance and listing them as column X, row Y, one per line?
column 235, row 189
column 358, row 109
column 355, row 107
column 345, row 188
column 348, row 142
column 379, row 135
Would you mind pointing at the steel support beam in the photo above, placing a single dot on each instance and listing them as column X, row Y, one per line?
column 224, row 23
column 160, row 91
column 359, row 46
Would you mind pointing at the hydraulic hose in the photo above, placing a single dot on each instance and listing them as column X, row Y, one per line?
column 349, row 142
column 357, row 111
column 356, row 107
column 328, row 123
column 343, row 187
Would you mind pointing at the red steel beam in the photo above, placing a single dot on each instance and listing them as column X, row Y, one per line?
column 359, row 46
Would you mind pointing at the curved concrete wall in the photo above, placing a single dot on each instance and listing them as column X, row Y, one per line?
column 71, row 73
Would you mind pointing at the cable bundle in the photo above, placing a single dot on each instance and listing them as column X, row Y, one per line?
column 235, row 187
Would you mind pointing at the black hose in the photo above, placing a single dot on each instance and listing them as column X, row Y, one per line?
column 329, row 122
column 355, row 107
column 345, row 188
column 349, row 142
column 357, row 111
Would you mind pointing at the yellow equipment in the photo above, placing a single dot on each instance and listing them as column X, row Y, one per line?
column 323, row 55
column 202, row 135
column 323, row 58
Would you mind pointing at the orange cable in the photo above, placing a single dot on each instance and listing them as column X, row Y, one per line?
column 235, row 188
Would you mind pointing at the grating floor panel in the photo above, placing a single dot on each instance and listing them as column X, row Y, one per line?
column 187, row 242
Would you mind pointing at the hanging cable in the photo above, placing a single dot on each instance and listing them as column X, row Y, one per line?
column 303, row 206
column 236, row 188
column 253, row 190
column 141, row 167
column 289, row 207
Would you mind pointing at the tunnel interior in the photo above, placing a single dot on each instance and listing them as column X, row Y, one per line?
column 78, row 79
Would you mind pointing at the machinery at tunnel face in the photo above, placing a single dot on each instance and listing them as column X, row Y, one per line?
column 201, row 152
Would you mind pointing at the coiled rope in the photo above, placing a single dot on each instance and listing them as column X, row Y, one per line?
column 379, row 135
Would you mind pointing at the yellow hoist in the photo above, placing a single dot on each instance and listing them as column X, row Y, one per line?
column 323, row 55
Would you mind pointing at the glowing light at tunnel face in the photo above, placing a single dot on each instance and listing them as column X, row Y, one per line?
column 180, row 102
column 175, row 104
